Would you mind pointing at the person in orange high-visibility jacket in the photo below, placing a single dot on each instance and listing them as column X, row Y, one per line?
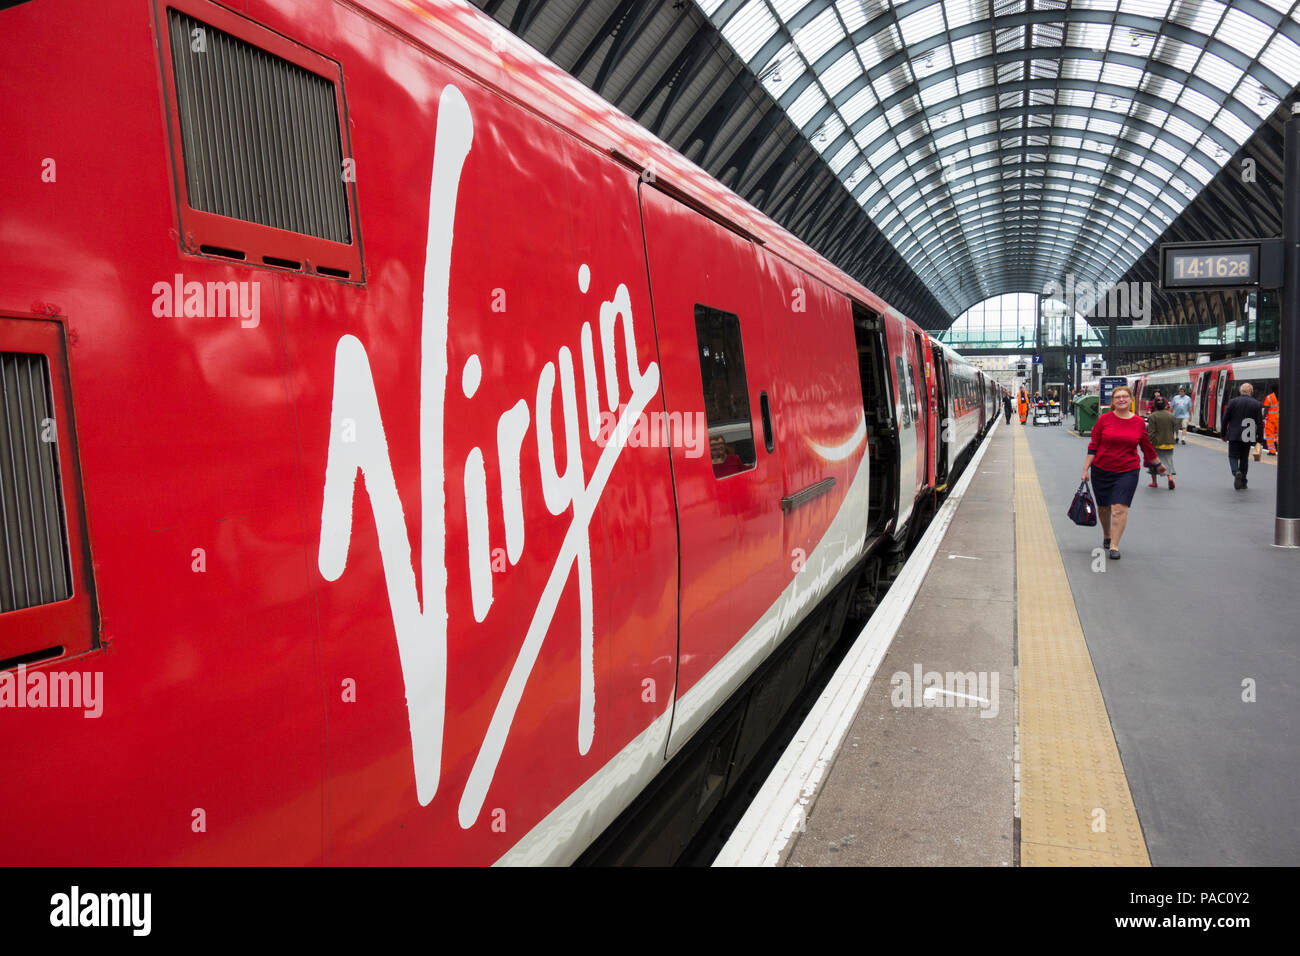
column 1271, row 406
column 1023, row 403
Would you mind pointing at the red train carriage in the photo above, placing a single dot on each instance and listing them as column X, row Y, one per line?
column 406, row 453
column 1210, row 386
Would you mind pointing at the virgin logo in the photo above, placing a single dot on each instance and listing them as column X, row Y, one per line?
column 358, row 446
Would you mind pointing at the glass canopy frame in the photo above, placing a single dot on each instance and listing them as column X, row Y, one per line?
column 1004, row 144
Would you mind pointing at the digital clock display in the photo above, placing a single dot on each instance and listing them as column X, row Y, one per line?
column 1211, row 268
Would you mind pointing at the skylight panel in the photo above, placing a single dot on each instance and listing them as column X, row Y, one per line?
column 858, row 173
column 749, row 29
column 932, row 61
column 820, row 34
column 1177, row 54
column 852, row 12
column 961, row 12
column 841, row 72
column 938, row 92
column 1088, row 36
column 858, row 104
column 847, row 154
column 1234, row 127
column 1182, row 130
column 1156, row 9
column 1139, row 138
column 970, row 48
column 925, row 23
column 1198, row 172
column 809, row 102
column 871, row 132
column 1198, row 103
column 1202, row 17
column 1121, row 75
column 977, row 107
column 883, row 153
column 1078, row 69
column 1167, row 149
column 949, row 137
column 785, row 9
column 974, row 79
column 782, row 72
column 1283, row 58
column 1224, row 75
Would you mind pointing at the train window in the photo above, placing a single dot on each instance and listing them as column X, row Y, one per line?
column 911, row 392
column 726, row 393
column 905, row 417
column 34, row 563
column 46, row 592
column 263, row 173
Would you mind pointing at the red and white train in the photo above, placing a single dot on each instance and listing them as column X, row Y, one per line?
column 403, row 455
column 1210, row 386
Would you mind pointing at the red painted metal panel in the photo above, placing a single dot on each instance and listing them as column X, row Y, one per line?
column 816, row 397
column 263, row 689
column 733, row 566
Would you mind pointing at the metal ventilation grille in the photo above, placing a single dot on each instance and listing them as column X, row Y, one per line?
column 34, row 564
column 260, row 135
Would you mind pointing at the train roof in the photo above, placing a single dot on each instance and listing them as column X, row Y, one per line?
column 1244, row 362
column 466, row 38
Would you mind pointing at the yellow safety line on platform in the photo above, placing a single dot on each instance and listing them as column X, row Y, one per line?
column 1075, row 805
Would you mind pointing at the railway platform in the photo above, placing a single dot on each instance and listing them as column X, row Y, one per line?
column 1018, row 699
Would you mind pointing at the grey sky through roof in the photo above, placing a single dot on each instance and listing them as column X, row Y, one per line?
column 1016, row 142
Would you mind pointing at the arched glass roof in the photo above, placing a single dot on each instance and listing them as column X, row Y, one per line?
column 1003, row 144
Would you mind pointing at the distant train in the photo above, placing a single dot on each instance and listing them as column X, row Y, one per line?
column 435, row 547
column 1210, row 385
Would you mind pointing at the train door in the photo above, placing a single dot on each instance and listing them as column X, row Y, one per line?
column 1201, row 391
column 925, row 384
column 1225, row 393
column 878, row 408
column 943, row 404
column 1212, row 399
column 905, row 413
column 717, row 378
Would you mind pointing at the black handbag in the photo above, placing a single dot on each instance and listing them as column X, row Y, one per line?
column 1083, row 510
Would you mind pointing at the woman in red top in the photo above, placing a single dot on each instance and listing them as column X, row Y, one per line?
column 1112, row 456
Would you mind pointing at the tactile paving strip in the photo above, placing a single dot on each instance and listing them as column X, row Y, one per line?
column 1075, row 804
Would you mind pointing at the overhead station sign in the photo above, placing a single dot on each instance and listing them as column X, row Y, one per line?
column 1241, row 264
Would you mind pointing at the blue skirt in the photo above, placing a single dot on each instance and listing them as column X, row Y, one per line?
column 1114, row 487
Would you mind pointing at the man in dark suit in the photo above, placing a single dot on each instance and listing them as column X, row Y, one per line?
column 1242, row 426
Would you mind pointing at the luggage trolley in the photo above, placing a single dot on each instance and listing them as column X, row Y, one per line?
column 1047, row 413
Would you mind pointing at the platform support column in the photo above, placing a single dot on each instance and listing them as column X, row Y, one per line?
column 1286, row 525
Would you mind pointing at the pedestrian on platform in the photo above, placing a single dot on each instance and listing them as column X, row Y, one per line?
column 1006, row 406
column 1182, row 412
column 1114, row 464
column 1023, row 403
column 1242, row 426
column 1162, row 429
column 1271, row 407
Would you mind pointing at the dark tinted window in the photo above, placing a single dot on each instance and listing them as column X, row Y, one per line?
column 726, row 394
column 906, row 415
